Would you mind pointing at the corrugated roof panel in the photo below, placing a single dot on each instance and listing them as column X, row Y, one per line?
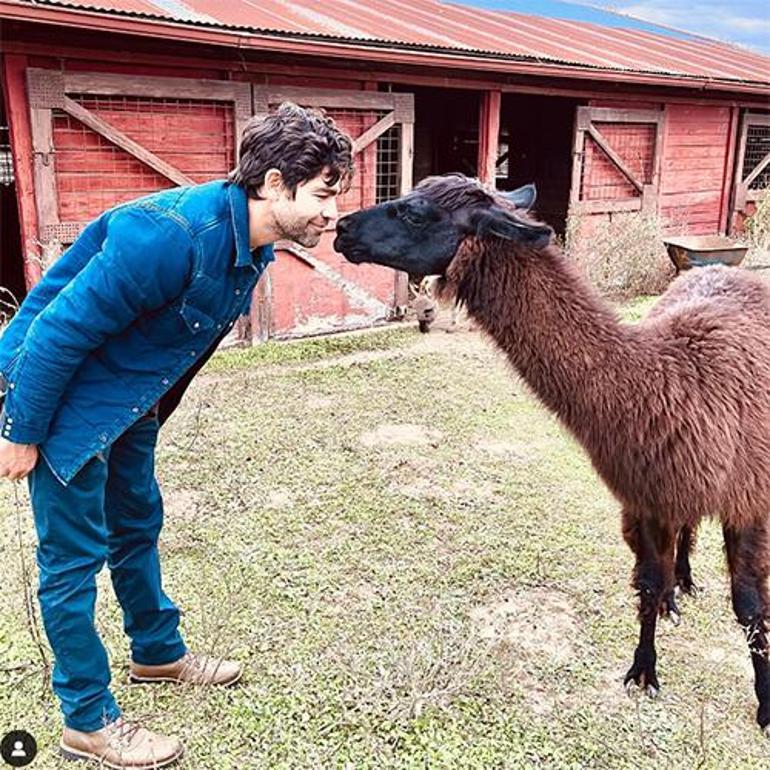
column 461, row 28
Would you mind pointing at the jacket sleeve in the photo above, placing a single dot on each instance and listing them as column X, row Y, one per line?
column 144, row 263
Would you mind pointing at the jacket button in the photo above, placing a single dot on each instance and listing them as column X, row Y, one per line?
column 237, row 291
column 192, row 353
column 103, row 437
column 164, row 381
column 134, row 409
column 196, row 325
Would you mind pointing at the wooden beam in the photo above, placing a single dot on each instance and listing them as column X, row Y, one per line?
column 758, row 169
column 728, row 185
column 377, row 130
column 262, row 308
column 328, row 98
column 120, row 139
column 578, row 157
column 601, row 206
column 489, row 131
column 41, row 120
column 740, row 189
column 150, row 86
column 224, row 60
column 601, row 141
column 401, row 281
column 13, row 73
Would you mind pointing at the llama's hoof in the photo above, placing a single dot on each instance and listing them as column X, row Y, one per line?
column 685, row 587
column 669, row 609
column 633, row 689
column 642, row 677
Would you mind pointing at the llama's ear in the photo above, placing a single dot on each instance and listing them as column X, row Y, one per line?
column 494, row 221
column 522, row 197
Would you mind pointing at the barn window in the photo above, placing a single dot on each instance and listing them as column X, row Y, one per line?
column 388, row 165
column 6, row 161
column 757, row 150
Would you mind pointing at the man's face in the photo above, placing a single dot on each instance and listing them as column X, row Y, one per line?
column 303, row 218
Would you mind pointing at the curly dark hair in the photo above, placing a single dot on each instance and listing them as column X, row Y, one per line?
column 299, row 142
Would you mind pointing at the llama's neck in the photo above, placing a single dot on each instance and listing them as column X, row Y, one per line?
column 560, row 336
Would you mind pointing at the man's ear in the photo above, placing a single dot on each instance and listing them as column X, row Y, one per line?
column 273, row 185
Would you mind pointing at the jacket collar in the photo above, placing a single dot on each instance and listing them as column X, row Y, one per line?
column 239, row 215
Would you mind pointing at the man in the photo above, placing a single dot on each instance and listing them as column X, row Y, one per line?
column 95, row 360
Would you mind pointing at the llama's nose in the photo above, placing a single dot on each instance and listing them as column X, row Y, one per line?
column 343, row 225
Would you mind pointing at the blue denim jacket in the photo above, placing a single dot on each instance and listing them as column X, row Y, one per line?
column 138, row 298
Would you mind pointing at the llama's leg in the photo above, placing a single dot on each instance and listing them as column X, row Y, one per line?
column 653, row 578
column 748, row 558
column 683, row 583
column 682, row 572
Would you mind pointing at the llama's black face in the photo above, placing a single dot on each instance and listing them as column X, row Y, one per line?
column 420, row 232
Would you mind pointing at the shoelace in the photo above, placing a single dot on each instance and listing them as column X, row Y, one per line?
column 123, row 732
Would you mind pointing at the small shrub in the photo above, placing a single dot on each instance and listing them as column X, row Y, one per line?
column 623, row 254
column 757, row 234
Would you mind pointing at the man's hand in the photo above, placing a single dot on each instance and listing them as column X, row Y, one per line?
column 16, row 460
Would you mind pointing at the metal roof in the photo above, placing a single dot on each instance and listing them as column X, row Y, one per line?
column 451, row 28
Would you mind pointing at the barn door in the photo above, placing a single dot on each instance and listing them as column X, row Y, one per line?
column 102, row 139
column 616, row 160
column 317, row 292
column 752, row 169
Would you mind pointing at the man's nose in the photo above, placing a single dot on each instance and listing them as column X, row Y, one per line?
column 329, row 210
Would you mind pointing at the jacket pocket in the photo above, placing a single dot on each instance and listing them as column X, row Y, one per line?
column 196, row 320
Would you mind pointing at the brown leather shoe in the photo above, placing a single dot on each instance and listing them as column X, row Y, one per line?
column 191, row 667
column 121, row 745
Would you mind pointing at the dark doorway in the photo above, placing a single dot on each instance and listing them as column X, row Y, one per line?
column 11, row 259
column 536, row 146
column 445, row 130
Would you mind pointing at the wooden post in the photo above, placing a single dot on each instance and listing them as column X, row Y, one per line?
column 489, row 131
column 401, row 286
column 728, row 180
column 13, row 72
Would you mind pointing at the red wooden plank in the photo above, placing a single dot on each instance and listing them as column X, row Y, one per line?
column 13, row 71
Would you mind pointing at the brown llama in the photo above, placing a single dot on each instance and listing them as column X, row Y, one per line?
column 674, row 412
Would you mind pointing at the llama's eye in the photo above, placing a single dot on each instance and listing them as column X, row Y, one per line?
column 391, row 212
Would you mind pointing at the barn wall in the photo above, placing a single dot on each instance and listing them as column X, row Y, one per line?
column 92, row 175
column 694, row 167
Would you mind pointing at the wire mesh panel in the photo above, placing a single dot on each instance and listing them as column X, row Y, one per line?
column 92, row 174
column 634, row 144
column 757, row 148
column 6, row 160
column 388, row 165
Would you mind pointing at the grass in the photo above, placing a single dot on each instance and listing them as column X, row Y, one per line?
column 418, row 568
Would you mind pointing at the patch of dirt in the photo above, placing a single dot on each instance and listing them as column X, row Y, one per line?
column 181, row 504
column 427, row 489
column 541, row 624
column 407, row 434
column 519, row 451
column 279, row 498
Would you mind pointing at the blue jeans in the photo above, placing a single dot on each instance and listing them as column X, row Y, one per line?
column 112, row 510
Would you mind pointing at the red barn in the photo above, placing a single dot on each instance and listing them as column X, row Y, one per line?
column 105, row 101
